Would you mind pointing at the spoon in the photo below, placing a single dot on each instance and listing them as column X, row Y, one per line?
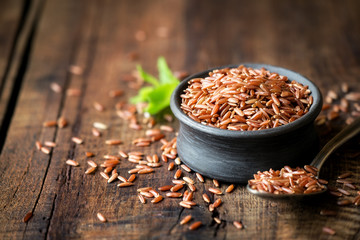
column 343, row 136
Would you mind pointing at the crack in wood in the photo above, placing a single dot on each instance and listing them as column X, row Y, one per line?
column 21, row 180
column 17, row 81
column 50, row 217
column 177, row 221
column 77, row 124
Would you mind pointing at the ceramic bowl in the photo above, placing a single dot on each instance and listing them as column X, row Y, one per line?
column 234, row 156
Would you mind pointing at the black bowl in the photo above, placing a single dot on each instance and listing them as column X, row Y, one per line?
column 234, row 156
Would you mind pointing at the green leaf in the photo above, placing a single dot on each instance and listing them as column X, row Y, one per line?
column 142, row 95
column 165, row 74
column 159, row 98
column 147, row 77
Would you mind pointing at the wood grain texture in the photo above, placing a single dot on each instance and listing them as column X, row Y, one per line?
column 19, row 20
column 10, row 17
column 318, row 39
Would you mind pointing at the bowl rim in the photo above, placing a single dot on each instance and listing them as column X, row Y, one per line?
column 309, row 117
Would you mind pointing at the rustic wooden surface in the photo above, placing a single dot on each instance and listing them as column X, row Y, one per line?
column 41, row 39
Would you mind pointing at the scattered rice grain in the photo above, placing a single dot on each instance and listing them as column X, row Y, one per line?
column 27, row 217
column 113, row 177
column 328, row 230
column 72, row 163
column 90, row 170
column 200, row 177
column 206, row 198
column 77, row 140
column 89, row 154
column 343, row 202
column 188, row 180
column 45, row 150
column 165, row 188
column 49, row 144
column 157, row 199
column 186, row 168
column 38, row 145
column 50, row 123
column 132, row 178
column 142, row 199
column 113, row 142
column 101, row 217
column 238, row 225
column 62, row 122
column 176, row 187
column 100, row 125
column 217, row 220
column 125, row 184
column 104, row 175
column 185, row 220
column 195, row 225
column 215, row 191
column 55, row 87
column 174, row 194
column 230, row 188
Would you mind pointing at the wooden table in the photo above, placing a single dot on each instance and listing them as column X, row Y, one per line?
column 94, row 46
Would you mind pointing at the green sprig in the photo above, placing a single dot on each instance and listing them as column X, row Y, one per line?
column 158, row 95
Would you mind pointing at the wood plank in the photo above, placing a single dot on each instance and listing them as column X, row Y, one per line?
column 31, row 167
column 10, row 16
column 19, row 19
column 126, row 216
column 260, row 42
column 98, row 37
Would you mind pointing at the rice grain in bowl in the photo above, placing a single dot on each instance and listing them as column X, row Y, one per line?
column 233, row 156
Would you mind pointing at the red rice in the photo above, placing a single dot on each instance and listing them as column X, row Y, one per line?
column 45, row 150
column 113, row 142
column 176, row 187
column 343, row 202
column 238, row 225
column 174, row 194
column 245, row 99
column 185, row 220
column 287, row 181
column 328, row 230
column 186, row 168
column 132, row 178
column 49, row 123
column 157, row 199
column 165, row 188
column 200, row 177
column 177, row 174
column 49, row 144
column 62, row 122
column 90, row 170
column 72, row 163
column 230, row 188
column 77, row 140
column 215, row 191
column 345, row 175
column 206, row 198
column 195, row 225
column 125, row 184
column 188, row 180
column 38, row 145
column 101, row 217
column 142, row 199
column 27, row 217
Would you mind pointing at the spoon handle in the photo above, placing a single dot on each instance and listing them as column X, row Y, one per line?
column 340, row 138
